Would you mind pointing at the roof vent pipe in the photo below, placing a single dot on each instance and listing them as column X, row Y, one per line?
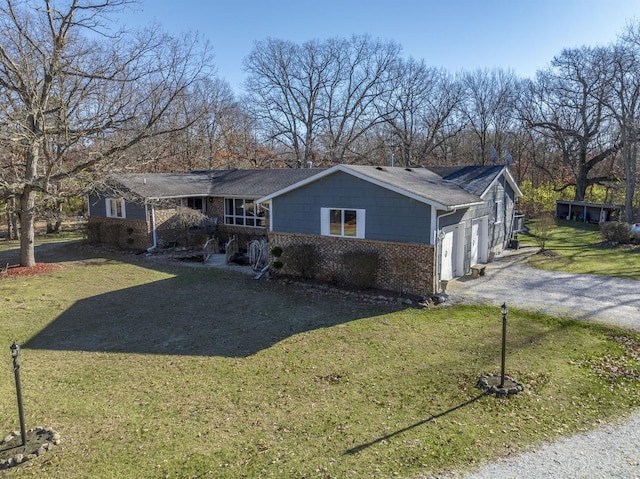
column 309, row 164
column 391, row 159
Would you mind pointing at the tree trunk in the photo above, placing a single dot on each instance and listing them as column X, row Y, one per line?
column 14, row 230
column 27, row 228
column 28, row 206
column 630, row 153
column 582, row 183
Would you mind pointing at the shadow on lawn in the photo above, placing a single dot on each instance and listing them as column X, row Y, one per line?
column 200, row 311
column 362, row 447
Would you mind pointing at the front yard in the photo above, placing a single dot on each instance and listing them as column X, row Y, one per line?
column 157, row 370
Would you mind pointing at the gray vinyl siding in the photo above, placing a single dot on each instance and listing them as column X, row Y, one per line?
column 389, row 216
column 98, row 208
column 498, row 233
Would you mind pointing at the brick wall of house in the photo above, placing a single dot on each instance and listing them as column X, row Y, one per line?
column 121, row 233
column 405, row 267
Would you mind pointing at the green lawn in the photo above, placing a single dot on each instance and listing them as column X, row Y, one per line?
column 154, row 370
column 576, row 248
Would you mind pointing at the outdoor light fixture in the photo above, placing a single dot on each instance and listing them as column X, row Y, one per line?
column 501, row 385
column 504, row 342
column 15, row 352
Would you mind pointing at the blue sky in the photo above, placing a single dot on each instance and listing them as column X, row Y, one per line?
column 459, row 35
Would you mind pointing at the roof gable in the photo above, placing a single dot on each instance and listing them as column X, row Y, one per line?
column 419, row 184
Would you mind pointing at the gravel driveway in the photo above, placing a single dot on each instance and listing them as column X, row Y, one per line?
column 581, row 296
column 610, row 452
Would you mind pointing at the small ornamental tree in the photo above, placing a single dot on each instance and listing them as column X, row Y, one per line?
column 542, row 229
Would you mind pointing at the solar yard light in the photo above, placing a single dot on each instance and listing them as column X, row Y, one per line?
column 15, row 353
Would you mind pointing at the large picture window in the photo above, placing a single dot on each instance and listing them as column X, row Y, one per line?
column 115, row 208
column 242, row 212
column 342, row 222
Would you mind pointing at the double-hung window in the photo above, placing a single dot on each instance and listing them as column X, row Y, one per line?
column 242, row 212
column 342, row 222
column 115, row 208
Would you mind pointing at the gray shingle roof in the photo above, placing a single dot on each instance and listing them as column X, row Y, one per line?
column 238, row 183
column 474, row 179
column 421, row 183
column 165, row 185
column 443, row 186
column 257, row 183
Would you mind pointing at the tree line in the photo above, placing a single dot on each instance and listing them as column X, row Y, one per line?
column 82, row 98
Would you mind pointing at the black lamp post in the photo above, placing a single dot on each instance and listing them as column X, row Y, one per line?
column 15, row 352
column 504, row 342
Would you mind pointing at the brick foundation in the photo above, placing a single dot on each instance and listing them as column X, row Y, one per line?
column 405, row 267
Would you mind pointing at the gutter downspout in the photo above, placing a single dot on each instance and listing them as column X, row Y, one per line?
column 437, row 241
column 154, row 234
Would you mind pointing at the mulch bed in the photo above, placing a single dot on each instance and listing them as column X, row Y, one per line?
column 39, row 268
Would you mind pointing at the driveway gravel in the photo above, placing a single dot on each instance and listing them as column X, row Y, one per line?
column 610, row 452
column 587, row 297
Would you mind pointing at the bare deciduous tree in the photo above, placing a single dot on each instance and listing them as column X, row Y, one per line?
column 566, row 104
column 625, row 105
column 420, row 110
column 79, row 95
column 489, row 108
column 317, row 100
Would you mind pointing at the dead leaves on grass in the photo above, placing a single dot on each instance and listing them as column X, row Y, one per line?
column 625, row 365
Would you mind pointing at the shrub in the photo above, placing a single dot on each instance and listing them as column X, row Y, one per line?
column 93, row 232
column 542, row 229
column 303, row 259
column 615, row 232
column 183, row 219
column 360, row 268
column 276, row 251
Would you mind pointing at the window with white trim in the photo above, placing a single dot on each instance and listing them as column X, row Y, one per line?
column 342, row 222
column 242, row 212
column 115, row 208
column 499, row 211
